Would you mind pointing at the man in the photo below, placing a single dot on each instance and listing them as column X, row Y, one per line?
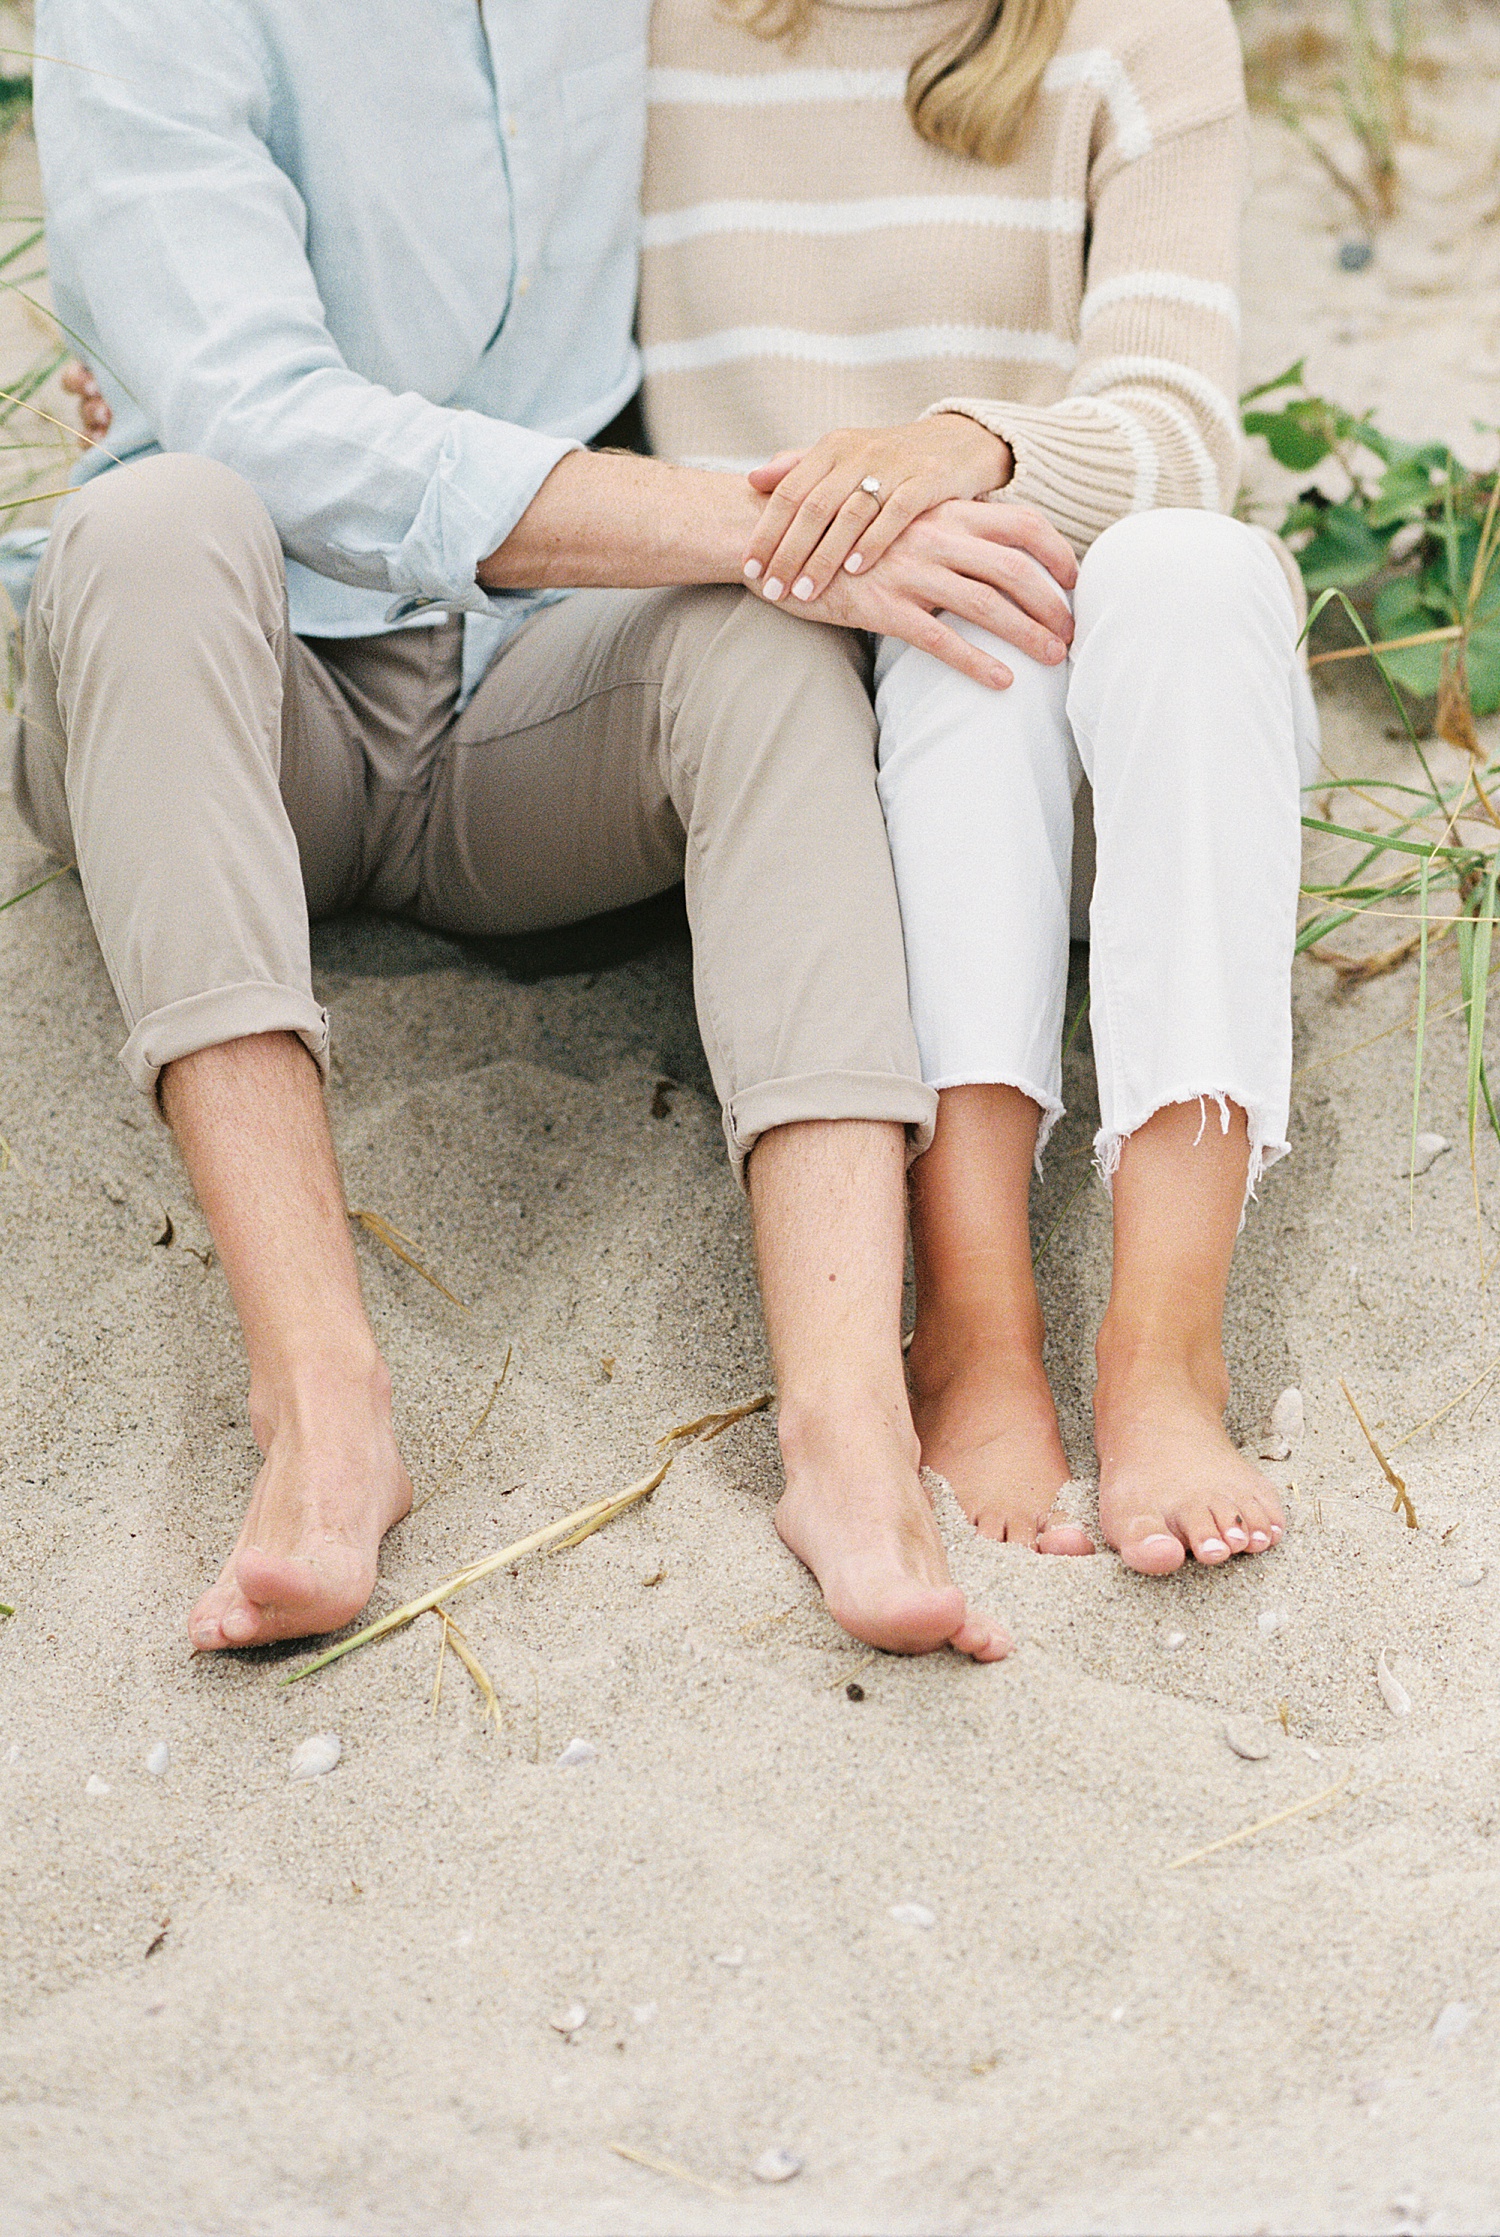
column 358, row 283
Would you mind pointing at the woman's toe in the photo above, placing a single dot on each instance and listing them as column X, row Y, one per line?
column 1148, row 1545
column 1058, row 1535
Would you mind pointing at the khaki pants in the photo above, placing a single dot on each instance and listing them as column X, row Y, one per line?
column 218, row 780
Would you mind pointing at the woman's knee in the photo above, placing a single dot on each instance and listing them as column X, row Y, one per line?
column 1177, row 560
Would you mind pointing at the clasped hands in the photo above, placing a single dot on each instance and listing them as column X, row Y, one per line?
column 926, row 545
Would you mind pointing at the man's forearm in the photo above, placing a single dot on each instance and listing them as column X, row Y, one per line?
column 609, row 522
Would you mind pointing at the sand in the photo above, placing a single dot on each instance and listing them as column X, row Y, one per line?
column 231, row 2003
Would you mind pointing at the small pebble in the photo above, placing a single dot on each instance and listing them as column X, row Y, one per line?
column 913, row 1914
column 1248, row 1738
column 96, row 1786
column 1270, row 1621
column 1392, row 1692
column 1355, row 255
column 644, row 2014
column 316, row 1757
column 854, row 1691
column 159, row 1761
column 569, row 2022
column 576, row 1751
column 776, row 2166
column 1452, row 2021
column 1429, row 1148
column 1174, row 1640
column 13, row 1753
column 734, row 1957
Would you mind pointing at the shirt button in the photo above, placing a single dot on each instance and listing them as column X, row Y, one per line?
column 511, row 125
column 523, row 284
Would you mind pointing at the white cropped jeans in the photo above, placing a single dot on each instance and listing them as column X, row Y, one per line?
column 1184, row 703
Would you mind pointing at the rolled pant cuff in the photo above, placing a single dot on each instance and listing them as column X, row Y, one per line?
column 881, row 1096
column 227, row 1013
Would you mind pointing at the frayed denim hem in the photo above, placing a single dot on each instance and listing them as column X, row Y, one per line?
column 1264, row 1150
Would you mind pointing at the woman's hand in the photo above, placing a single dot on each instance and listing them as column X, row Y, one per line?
column 820, row 517
column 94, row 415
column 977, row 562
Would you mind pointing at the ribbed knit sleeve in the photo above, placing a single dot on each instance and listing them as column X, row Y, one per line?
column 1149, row 415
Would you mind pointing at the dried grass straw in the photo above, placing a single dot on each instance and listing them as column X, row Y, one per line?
column 568, row 1530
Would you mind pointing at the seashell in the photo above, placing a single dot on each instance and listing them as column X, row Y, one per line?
column 1452, row 2021
column 1284, row 1430
column 1429, row 1148
column 1174, row 1640
column 776, row 2166
column 1473, row 1575
column 1270, row 1621
column 316, row 1757
column 159, row 1761
column 570, row 2021
column 576, row 1751
column 733, row 1957
column 1392, row 1692
column 1248, row 1738
column 96, row 1786
column 13, row 1753
column 644, row 2014
column 913, row 1914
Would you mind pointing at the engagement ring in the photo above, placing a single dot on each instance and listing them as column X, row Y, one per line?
column 870, row 486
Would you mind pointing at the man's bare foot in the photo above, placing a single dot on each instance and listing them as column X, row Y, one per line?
column 988, row 1426
column 855, row 1513
column 331, row 1487
column 1170, row 1481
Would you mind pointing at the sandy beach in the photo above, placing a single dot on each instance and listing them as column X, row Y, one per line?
column 915, row 1924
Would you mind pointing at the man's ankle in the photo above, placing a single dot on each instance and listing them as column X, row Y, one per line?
column 316, row 1382
column 816, row 1428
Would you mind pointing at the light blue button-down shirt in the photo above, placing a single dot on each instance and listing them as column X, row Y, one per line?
column 378, row 256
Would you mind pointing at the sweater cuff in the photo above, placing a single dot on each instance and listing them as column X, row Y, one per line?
column 1074, row 461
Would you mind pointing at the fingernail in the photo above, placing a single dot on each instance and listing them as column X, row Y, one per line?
column 752, row 570
column 854, row 562
column 773, row 588
column 803, row 588
column 1211, row 1545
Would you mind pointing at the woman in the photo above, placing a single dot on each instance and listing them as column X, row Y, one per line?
column 855, row 208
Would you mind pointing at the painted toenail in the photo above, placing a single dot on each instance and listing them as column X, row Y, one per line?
column 1236, row 1536
column 1211, row 1546
column 1259, row 1540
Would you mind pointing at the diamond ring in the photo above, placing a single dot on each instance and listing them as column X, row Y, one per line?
column 870, row 486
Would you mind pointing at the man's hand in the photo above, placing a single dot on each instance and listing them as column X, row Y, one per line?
column 94, row 414
column 821, row 517
column 979, row 562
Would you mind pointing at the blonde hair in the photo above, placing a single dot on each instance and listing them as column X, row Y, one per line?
column 972, row 93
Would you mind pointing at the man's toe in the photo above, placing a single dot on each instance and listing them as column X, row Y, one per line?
column 981, row 1637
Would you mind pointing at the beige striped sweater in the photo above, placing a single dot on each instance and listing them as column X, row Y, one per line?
column 810, row 262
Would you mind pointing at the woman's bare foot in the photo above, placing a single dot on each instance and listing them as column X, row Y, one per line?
column 1170, row 1481
column 331, row 1486
column 855, row 1513
column 984, row 1414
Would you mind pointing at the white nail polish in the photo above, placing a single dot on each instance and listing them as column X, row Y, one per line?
column 803, row 588
column 752, row 570
column 1213, row 1545
column 854, row 562
column 773, row 588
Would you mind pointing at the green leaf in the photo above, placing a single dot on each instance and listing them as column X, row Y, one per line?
column 1295, row 376
column 1291, row 440
column 1343, row 550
